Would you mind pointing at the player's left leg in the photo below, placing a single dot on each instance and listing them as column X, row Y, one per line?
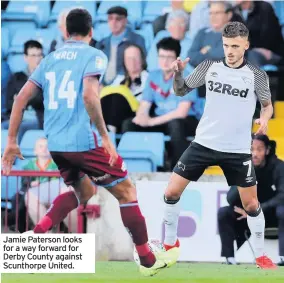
column 239, row 171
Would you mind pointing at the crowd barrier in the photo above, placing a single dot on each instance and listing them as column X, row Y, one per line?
column 197, row 230
column 30, row 205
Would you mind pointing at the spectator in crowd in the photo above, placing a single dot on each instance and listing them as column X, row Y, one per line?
column 270, row 192
column 121, row 99
column 266, row 41
column 33, row 116
column 175, row 116
column 62, row 35
column 5, row 76
column 177, row 25
column 41, row 191
column 200, row 17
column 160, row 22
column 208, row 42
column 113, row 46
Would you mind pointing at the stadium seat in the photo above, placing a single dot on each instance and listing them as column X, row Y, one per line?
column 137, row 162
column 14, row 26
column 152, row 144
column 270, row 68
column 148, row 34
column 279, row 109
column 5, row 42
column 28, row 142
column 16, row 62
column 4, row 135
column 29, row 10
column 134, row 9
column 275, row 128
column 101, row 30
column 44, row 36
column 153, row 9
column 9, row 186
column 213, row 170
column 112, row 138
column 279, row 10
column 279, row 146
column 61, row 5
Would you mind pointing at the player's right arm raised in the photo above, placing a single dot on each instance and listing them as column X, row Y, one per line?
column 92, row 103
column 195, row 79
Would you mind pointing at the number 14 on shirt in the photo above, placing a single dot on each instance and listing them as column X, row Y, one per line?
column 66, row 90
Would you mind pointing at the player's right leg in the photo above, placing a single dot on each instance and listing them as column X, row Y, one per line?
column 134, row 221
column 190, row 167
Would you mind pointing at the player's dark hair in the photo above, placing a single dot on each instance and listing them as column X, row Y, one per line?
column 170, row 44
column 269, row 144
column 234, row 29
column 78, row 22
column 31, row 44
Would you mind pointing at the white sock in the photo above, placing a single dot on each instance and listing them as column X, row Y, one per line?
column 256, row 225
column 171, row 215
column 231, row 260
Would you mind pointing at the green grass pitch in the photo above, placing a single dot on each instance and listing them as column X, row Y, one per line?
column 183, row 272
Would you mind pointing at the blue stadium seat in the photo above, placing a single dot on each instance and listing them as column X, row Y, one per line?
column 148, row 34
column 14, row 26
column 270, row 68
column 134, row 9
column 16, row 62
column 19, row 164
column 4, row 135
column 136, row 163
column 112, row 138
column 9, row 186
column 44, row 36
column 153, row 9
column 101, row 30
column 5, row 77
column 279, row 10
column 147, row 146
column 29, row 10
column 28, row 142
column 61, row 5
column 5, row 42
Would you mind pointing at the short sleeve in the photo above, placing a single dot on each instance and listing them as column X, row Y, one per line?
column 147, row 93
column 38, row 75
column 96, row 66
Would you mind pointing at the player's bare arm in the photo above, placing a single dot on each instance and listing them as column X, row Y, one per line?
column 195, row 79
column 264, row 96
column 12, row 149
column 92, row 102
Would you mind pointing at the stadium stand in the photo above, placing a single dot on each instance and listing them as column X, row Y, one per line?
column 24, row 20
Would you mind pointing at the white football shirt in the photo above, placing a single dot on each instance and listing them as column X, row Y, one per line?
column 231, row 96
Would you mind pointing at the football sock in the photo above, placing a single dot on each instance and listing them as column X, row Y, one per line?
column 57, row 212
column 231, row 260
column 171, row 216
column 134, row 221
column 256, row 224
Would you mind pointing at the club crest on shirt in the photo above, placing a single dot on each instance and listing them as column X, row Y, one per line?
column 247, row 80
column 99, row 64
